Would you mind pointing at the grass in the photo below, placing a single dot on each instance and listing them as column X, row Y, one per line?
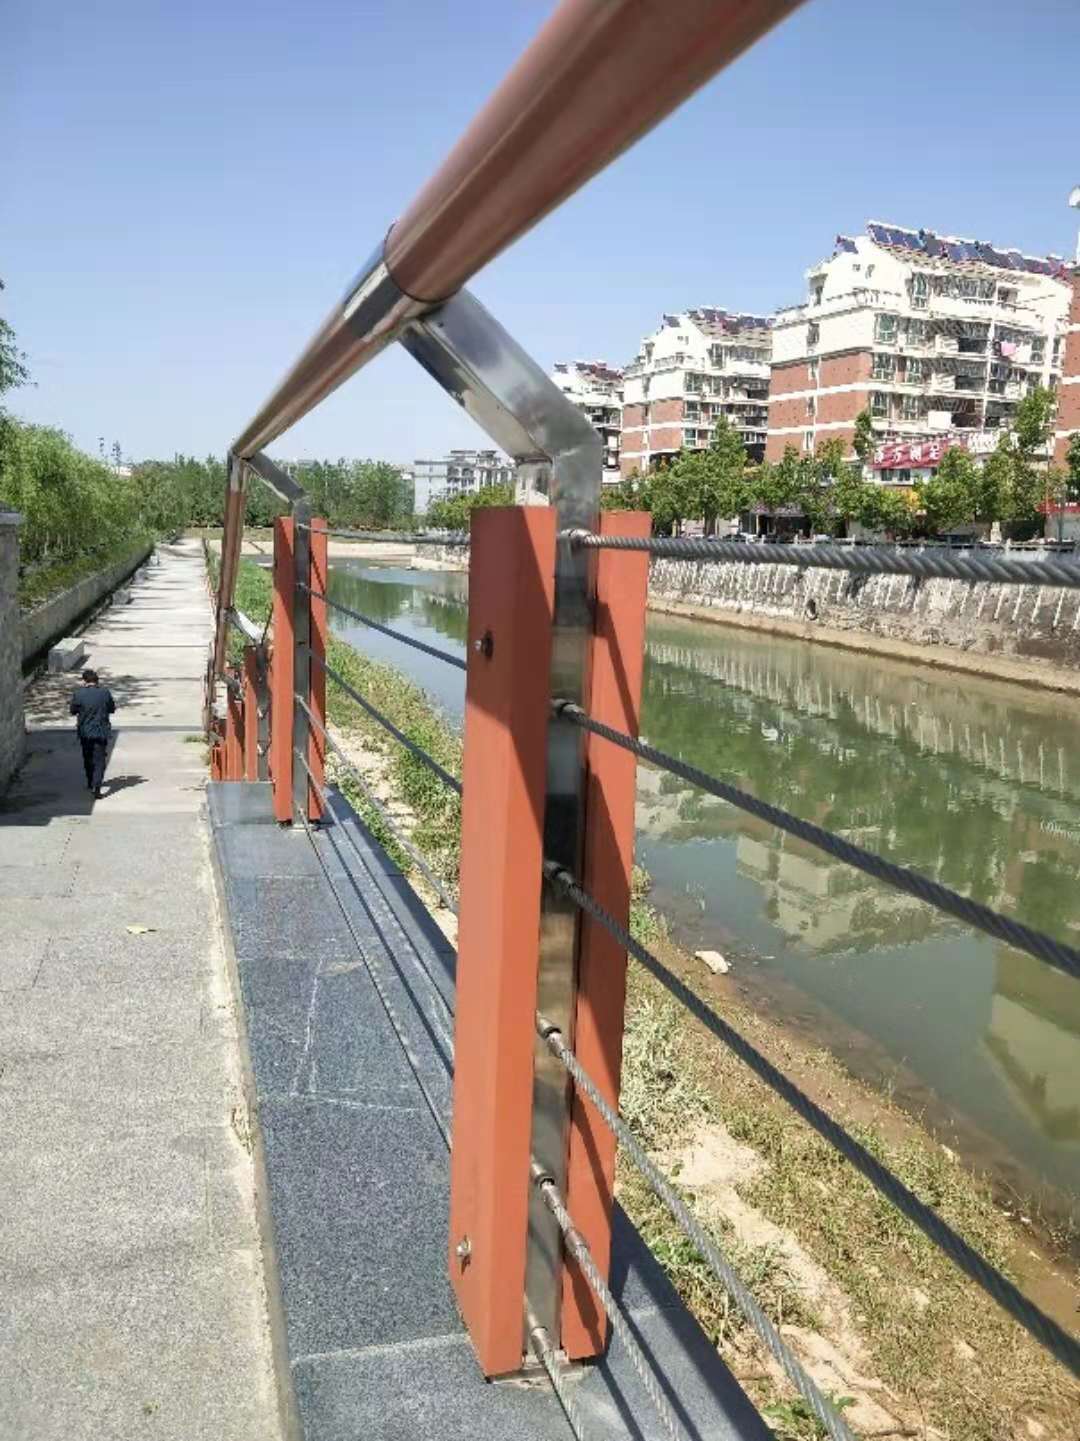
column 39, row 585
column 932, row 1337
column 435, row 809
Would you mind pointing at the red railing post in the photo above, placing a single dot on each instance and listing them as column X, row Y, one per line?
column 318, row 581
column 251, row 714
column 615, row 698
column 234, row 735
column 282, row 706
column 511, row 602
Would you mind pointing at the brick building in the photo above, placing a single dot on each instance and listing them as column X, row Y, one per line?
column 596, row 388
column 698, row 366
column 938, row 337
column 1068, row 413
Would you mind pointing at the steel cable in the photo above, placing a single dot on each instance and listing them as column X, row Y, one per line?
column 410, row 745
column 372, row 969
column 1045, row 1330
column 575, row 1244
column 721, row 1267
column 377, row 805
column 545, row 1352
column 963, row 908
column 434, row 650
column 860, row 560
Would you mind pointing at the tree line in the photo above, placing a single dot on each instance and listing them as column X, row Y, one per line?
column 719, row 483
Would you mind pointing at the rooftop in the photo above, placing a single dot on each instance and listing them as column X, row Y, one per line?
column 954, row 249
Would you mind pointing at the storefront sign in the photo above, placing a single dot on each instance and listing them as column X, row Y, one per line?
column 913, row 454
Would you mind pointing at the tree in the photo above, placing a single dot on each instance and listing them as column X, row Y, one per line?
column 948, row 497
column 1072, row 469
column 453, row 512
column 864, row 440
column 888, row 509
column 14, row 371
column 1033, row 420
column 711, row 483
column 994, row 482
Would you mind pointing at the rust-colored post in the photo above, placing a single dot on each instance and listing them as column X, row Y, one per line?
column 234, row 737
column 615, row 698
column 319, row 580
column 511, row 600
column 282, row 708
column 251, row 713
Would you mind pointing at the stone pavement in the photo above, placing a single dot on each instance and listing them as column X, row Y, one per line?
column 130, row 1269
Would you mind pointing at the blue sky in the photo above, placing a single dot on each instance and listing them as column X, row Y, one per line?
column 188, row 187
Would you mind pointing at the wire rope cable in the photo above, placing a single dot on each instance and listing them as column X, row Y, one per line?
column 388, row 725
column 718, row 1263
column 377, row 805
column 1008, row 1296
column 433, row 650
column 859, row 560
column 963, row 908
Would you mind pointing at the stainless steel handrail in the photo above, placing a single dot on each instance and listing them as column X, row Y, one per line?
column 596, row 78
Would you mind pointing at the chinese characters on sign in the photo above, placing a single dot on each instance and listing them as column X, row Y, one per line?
column 909, row 454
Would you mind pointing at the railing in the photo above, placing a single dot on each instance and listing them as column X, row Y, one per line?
column 553, row 671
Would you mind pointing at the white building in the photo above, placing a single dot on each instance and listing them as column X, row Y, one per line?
column 698, row 366
column 596, row 388
column 938, row 337
column 459, row 473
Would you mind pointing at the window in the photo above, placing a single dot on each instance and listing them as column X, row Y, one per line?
column 879, row 404
column 910, row 407
column 808, row 441
column 886, row 328
column 813, row 333
column 1007, row 296
column 1057, row 350
column 1038, row 351
column 916, row 332
column 917, row 370
column 817, row 288
column 884, row 366
column 811, row 407
column 694, row 382
column 920, row 290
column 815, row 366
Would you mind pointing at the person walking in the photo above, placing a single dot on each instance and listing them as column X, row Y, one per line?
column 92, row 705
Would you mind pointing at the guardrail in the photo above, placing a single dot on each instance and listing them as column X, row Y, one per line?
column 553, row 671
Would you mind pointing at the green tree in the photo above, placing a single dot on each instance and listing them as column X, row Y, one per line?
column 864, row 440
column 14, row 371
column 1033, row 420
column 948, row 497
column 453, row 512
column 994, row 481
column 1072, row 469
column 711, row 483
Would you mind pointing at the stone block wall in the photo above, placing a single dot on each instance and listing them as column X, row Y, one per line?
column 45, row 623
column 1021, row 622
column 12, row 730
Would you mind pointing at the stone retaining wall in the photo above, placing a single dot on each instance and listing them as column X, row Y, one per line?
column 45, row 623
column 12, row 730
column 1025, row 622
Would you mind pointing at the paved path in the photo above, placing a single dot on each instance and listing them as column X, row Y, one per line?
column 130, row 1274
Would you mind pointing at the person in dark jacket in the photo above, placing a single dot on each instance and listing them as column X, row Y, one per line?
column 92, row 705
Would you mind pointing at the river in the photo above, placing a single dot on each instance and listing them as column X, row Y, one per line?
column 975, row 783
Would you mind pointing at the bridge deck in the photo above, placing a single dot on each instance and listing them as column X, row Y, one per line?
column 129, row 1258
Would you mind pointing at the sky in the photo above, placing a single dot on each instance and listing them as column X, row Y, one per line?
column 188, row 185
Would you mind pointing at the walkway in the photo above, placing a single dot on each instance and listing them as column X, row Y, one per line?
column 129, row 1259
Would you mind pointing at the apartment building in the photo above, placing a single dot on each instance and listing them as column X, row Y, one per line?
column 459, row 473
column 596, row 388
column 698, row 366
column 1068, row 412
column 938, row 337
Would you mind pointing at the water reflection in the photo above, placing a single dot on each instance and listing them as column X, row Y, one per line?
column 974, row 783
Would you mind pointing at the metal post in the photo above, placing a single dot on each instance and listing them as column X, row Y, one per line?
column 556, row 449
column 618, row 661
column 282, row 705
column 251, row 713
column 511, row 600
column 301, row 514
column 319, row 581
